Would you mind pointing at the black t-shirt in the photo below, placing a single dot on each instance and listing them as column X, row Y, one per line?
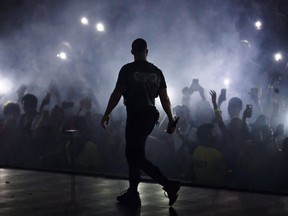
column 141, row 81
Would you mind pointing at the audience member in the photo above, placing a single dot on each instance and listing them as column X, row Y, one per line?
column 207, row 161
column 9, row 131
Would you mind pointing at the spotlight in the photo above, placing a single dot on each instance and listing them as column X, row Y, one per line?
column 278, row 56
column 100, row 27
column 5, row 86
column 226, row 82
column 62, row 55
column 84, row 21
column 258, row 25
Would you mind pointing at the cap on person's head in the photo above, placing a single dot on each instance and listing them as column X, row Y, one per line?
column 139, row 45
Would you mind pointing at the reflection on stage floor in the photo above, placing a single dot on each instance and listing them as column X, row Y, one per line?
column 27, row 192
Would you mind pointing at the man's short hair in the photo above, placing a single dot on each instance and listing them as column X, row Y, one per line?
column 139, row 45
column 11, row 107
column 30, row 98
column 204, row 131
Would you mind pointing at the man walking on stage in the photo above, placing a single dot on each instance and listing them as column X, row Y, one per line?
column 140, row 82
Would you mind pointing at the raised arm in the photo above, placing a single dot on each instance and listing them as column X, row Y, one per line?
column 218, row 116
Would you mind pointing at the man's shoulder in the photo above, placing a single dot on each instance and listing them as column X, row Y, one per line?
column 140, row 64
column 127, row 65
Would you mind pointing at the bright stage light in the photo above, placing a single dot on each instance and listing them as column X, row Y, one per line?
column 84, row 21
column 100, row 27
column 278, row 56
column 226, row 82
column 258, row 25
column 62, row 55
column 5, row 86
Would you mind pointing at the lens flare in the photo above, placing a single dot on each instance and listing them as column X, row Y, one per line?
column 84, row 21
column 5, row 86
column 258, row 25
column 100, row 27
column 226, row 82
column 278, row 56
column 62, row 55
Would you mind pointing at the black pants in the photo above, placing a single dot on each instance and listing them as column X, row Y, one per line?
column 139, row 125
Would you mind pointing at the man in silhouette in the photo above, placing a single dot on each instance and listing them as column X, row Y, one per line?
column 140, row 82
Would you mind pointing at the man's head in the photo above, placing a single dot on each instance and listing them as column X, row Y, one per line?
column 29, row 102
column 206, row 134
column 11, row 109
column 139, row 48
column 235, row 106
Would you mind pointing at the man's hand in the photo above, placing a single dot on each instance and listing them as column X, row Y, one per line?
column 172, row 126
column 105, row 121
column 213, row 96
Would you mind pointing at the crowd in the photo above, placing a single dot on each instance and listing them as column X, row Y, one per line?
column 243, row 146
column 232, row 146
column 33, row 136
column 240, row 147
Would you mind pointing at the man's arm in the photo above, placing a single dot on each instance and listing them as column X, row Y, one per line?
column 165, row 102
column 113, row 101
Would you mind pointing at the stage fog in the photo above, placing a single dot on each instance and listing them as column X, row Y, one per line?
column 73, row 50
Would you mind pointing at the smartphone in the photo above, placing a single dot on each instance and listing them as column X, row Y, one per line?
column 249, row 107
column 195, row 81
column 223, row 93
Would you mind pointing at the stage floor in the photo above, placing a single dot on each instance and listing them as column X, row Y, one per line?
column 33, row 193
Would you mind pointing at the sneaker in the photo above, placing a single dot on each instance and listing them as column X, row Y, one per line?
column 171, row 191
column 129, row 198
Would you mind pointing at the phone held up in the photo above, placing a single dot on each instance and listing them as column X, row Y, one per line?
column 223, row 93
column 249, row 108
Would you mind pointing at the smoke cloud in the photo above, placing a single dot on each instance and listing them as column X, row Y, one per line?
column 208, row 40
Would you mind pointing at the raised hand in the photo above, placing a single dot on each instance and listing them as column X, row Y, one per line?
column 213, row 96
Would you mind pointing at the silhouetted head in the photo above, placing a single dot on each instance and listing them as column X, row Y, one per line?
column 57, row 115
column 29, row 102
column 262, row 120
column 139, row 48
column 204, row 113
column 11, row 109
column 261, row 131
column 206, row 134
column 235, row 106
column 182, row 111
